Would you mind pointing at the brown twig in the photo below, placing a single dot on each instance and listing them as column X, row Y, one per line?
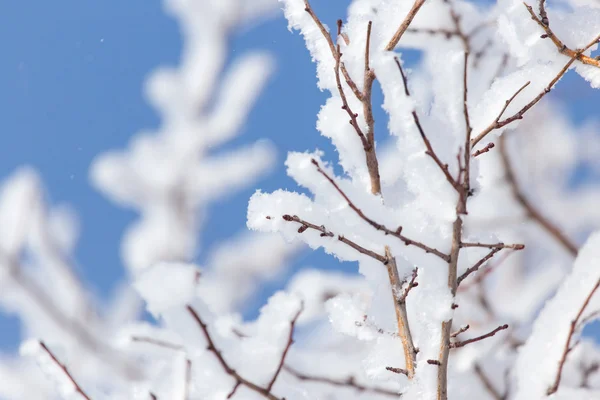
column 288, row 345
column 400, row 371
column 73, row 327
column 461, row 330
column 396, row 233
column 324, row 232
column 477, row 265
column 399, row 296
column 77, row 387
column 187, row 379
column 430, row 152
column 404, row 25
column 487, row 383
column 335, row 52
column 368, row 138
column 500, row 245
column 456, row 345
column 519, row 114
column 544, row 23
column 497, row 120
column 348, row 382
column 487, row 148
column 411, row 284
column 568, row 348
column 529, row 208
column 239, row 380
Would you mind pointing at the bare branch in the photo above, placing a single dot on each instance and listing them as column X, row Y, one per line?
column 500, row 245
column 397, row 370
column 477, row 265
column 78, row 388
column 487, row 148
column 288, row 345
column 156, row 342
column 496, row 122
column 410, row 353
column 404, row 25
column 544, row 23
column 430, row 152
column 230, row 371
column 396, row 233
column 349, row 382
column 324, row 232
column 519, row 114
column 461, row 330
column 529, row 208
column 456, row 345
column 552, row 389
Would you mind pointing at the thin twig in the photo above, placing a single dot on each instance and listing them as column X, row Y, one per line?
column 410, row 352
column 77, row 387
column 477, row 265
column 430, row 152
column 404, row 25
column 341, row 238
column 395, row 370
column 156, row 342
column 568, row 347
column 530, row 209
column 456, row 345
column 335, row 52
column 544, row 23
column 230, row 371
column 396, row 233
column 487, row 383
column 288, row 345
column 496, row 122
column 461, row 330
column 487, row 148
column 348, row 382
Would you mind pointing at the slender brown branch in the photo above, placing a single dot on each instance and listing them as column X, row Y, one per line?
column 71, row 326
column 461, row 330
column 496, row 122
column 530, row 209
column 230, row 371
column 404, row 25
column 288, row 345
column 396, row 233
column 335, row 52
column 370, row 154
column 477, row 265
column 412, row 284
column 544, row 23
column 324, row 232
column 187, row 379
column 410, row 353
column 487, row 148
column 500, row 245
column 399, row 371
column 495, row 393
column 456, row 345
column 156, row 342
column 519, row 114
column 77, row 387
column 348, row 382
column 568, row 347
column 430, row 152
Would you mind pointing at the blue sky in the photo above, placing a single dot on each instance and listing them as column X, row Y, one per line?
column 71, row 79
